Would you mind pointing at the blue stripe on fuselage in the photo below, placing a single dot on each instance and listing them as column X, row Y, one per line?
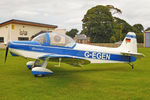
column 131, row 36
column 72, row 52
column 13, row 54
column 26, row 42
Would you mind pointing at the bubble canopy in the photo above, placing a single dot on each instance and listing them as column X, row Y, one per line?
column 54, row 39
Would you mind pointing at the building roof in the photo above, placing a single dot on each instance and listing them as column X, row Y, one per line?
column 14, row 21
column 81, row 36
column 41, row 32
column 148, row 31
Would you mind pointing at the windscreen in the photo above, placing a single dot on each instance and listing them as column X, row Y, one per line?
column 40, row 38
column 57, row 39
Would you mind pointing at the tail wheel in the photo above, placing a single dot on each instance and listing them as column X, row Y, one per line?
column 39, row 75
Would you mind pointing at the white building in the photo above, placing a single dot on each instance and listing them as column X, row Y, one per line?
column 15, row 30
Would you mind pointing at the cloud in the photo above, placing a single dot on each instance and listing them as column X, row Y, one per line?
column 24, row 13
column 69, row 13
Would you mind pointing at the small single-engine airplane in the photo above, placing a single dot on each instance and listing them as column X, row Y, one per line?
column 53, row 46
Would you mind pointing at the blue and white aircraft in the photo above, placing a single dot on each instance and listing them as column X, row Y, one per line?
column 51, row 45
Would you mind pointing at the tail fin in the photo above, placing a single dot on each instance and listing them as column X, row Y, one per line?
column 129, row 43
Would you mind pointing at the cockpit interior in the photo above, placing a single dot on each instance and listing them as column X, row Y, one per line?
column 54, row 39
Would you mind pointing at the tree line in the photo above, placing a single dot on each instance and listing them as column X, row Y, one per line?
column 101, row 26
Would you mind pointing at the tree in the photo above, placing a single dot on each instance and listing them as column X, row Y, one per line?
column 113, row 39
column 140, row 37
column 113, row 9
column 101, row 26
column 138, row 28
column 72, row 32
column 97, row 24
column 120, row 28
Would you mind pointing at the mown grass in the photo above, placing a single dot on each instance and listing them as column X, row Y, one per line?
column 92, row 82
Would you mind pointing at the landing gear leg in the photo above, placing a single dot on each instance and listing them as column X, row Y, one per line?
column 32, row 64
column 132, row 66
column 36, row 63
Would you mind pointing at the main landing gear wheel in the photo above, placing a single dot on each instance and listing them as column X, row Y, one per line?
column 40, row 71
column 30, row 64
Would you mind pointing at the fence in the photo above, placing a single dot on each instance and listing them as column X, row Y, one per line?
column 2, row 46
column 139, row 45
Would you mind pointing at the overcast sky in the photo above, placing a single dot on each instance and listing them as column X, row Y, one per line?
column 67, row 14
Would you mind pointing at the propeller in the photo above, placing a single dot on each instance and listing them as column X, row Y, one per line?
column 7, row 48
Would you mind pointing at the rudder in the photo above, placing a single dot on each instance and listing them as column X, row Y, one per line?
column 129, row 43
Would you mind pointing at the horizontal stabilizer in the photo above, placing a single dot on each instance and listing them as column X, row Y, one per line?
column 137, row 55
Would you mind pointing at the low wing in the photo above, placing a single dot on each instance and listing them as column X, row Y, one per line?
column 75, row 61
column 137, row 55
column 55, row 56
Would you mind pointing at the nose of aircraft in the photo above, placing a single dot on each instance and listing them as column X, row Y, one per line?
column 17, row 45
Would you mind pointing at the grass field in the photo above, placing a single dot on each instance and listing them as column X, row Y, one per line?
column 92, row 82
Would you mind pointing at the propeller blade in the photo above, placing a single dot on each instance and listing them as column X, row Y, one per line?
column 7, row 48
